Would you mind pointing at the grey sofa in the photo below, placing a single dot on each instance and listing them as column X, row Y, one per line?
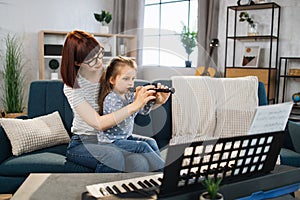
column 46, row 97
column 290, row 151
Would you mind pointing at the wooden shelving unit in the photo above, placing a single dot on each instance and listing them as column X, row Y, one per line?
column 283, row 74
column 112, row 43
column 266, row 74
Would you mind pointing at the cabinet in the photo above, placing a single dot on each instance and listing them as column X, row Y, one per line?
column 266, row 39
column 114, row 44
column 285, row 74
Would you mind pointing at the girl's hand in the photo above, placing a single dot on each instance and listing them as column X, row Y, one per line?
column 161, row 97
column 143, row 95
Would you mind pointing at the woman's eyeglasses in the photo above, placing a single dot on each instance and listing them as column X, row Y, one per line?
column 94, row 61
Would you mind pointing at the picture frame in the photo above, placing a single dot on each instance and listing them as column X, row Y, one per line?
column 251, row 56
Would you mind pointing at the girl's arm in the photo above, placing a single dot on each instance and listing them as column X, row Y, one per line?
column 91, row 117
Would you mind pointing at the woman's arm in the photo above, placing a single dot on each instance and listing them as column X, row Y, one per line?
column 91, row 117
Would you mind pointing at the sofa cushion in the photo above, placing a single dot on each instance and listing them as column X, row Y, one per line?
column 49, row 160
column 33, row 134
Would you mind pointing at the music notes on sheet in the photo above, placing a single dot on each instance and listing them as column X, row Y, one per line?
column 270, row 118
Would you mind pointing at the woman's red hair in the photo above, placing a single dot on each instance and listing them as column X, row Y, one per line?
column 79, row 46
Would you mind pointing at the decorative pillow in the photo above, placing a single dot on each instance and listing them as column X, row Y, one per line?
column 33, row 134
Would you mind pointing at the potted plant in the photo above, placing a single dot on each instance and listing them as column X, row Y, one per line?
column 252, row 26
column 104, row 18
column 189, row 41
column 13, row 77
column 211, row 185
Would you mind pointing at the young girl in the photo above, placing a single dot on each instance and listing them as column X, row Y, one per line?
column 114, row 94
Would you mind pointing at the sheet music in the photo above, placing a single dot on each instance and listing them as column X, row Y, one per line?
column 270, row 118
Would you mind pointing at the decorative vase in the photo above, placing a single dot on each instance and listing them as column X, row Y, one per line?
column 253, row 29
column 188, row 63
column 104, row 29
column 206, row 196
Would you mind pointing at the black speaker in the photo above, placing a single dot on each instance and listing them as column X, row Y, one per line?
column 53, row 49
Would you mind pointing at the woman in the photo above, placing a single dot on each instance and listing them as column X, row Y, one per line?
column 81, row 69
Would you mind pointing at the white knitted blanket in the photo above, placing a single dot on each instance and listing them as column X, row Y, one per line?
column 205, row 107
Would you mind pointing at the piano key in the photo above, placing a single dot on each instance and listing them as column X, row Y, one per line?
column 154, row 182
column 148, row 183
column 115, row 188
column 126, row 187
column 109, row 190
column 133, row 186
column 103, row 192
column 118, row 187
column 142, row 184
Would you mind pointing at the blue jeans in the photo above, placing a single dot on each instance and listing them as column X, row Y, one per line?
column 104, row 158
column 144, row 146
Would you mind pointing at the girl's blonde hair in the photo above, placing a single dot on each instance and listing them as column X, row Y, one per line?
column 111, row 71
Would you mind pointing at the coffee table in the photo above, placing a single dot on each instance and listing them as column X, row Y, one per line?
column 73, row 186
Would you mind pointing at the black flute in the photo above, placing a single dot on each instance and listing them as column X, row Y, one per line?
column 165, row 90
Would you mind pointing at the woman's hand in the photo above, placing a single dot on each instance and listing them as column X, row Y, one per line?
column 143, row 95
column 161, row 97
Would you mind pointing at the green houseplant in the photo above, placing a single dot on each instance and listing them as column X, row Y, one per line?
column 189, row 42
column 211, row 185
column 104, row 18
column 13, row 77
column 252, row 26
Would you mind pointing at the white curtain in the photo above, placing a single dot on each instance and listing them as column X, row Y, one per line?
column 128, row 18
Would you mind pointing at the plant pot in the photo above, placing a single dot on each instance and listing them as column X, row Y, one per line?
column 104, row 29
column 13, row 115
column 188, row 63
column 205, row 196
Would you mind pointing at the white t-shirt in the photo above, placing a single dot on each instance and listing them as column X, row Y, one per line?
column 88, row 92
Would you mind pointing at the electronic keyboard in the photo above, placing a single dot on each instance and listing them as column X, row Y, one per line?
column 146, row 185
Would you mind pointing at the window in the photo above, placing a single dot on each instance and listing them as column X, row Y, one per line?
column 163, row 22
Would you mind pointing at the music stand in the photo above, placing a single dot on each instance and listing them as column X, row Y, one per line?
column 233, row 158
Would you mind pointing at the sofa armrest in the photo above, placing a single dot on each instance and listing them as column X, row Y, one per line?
column 262, row 94
column 5, row 146
column 289, row 157
column 292, row 139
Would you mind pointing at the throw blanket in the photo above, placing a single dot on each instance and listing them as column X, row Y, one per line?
column 205, row 108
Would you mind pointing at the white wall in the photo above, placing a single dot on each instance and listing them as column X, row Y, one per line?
column 27, row 18
column 289, row 34
column 151, row 73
